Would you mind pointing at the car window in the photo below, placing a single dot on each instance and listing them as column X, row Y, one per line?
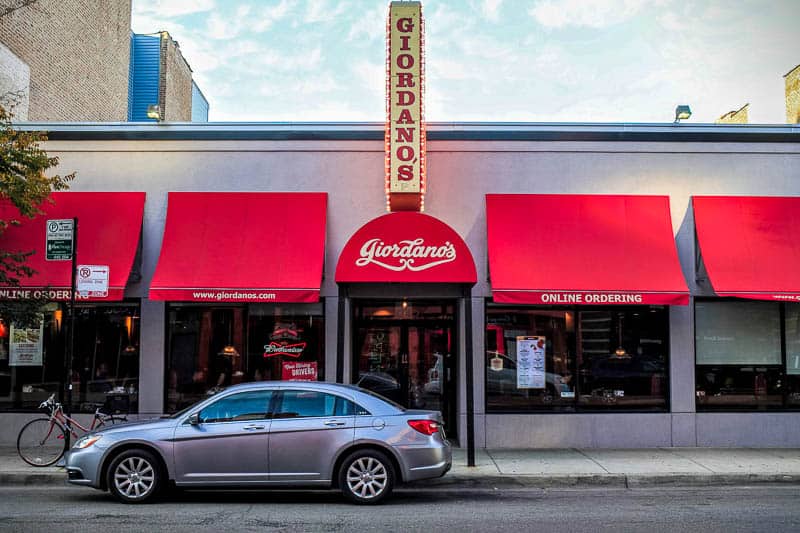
column 251, row 405
column 347, row 408
column 304, row 404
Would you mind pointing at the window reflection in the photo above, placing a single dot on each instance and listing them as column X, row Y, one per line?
column 504, row 329
column 595, row 358
column 213, row 347
column 741, row 364
column 105, row 359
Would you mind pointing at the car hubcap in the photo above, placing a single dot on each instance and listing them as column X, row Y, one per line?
column 366, row 478
column 134, row 477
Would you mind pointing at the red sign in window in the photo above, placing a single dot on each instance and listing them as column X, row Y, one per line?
column 299, row 371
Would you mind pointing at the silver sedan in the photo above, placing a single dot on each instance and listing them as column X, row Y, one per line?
column 268, row 434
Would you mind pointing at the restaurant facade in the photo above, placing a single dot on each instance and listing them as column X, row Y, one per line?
column 543, row 285
column 611, row 285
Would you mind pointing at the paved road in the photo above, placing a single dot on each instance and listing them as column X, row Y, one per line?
column 764, row 508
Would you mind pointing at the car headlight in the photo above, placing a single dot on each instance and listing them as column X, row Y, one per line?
column 88, row 440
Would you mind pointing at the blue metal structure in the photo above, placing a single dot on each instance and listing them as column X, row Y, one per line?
column 199, row 105
column 144, row 74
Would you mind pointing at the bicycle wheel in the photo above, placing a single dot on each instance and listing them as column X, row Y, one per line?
column 42, row 442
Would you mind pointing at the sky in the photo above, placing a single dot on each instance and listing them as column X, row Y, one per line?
column 488, row 60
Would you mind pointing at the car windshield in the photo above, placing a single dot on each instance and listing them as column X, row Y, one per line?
column 183, row 411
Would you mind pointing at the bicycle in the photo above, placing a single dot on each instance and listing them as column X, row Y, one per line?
column 43, row 441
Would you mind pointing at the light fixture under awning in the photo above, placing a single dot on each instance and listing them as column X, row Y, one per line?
column 583, row 249
column 750, row 245
column 109, row 228
column 242, row 247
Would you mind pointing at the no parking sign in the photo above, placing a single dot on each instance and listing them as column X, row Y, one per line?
column 92, row 281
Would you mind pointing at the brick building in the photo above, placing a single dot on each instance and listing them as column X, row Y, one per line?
column 63, row 42
column 74, row 60
column 161, row 76
column 737, row 116
column 793, row 95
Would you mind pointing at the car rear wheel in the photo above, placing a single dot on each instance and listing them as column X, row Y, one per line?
column 366, row 477
column 135, row 476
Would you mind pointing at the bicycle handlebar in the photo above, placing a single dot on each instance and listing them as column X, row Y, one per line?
column 47, row 402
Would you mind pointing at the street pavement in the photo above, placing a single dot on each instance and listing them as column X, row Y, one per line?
column 652, row 510
column 518, row 469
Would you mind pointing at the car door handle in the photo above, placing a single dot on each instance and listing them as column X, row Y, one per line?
column 253, row 427
column 335, row 423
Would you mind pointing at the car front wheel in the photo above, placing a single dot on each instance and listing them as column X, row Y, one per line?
column 366, row 477
column 135, row 476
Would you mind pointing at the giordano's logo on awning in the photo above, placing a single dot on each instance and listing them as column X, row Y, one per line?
column 411, row 254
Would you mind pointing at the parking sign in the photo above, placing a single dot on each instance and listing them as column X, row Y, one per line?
column 59, row 239
column 92, row 281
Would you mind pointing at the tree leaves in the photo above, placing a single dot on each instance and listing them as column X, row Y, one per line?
column 25, row 184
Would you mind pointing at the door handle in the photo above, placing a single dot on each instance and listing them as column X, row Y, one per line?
column 253, row 427
column 335, row 423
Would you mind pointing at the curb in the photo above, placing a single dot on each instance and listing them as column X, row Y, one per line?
column 705, row 480
column 602, row 481
column 508, row 482
column 541, row 481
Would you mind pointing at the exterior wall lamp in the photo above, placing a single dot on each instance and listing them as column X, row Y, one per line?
column 153, row 111
column 682, row 112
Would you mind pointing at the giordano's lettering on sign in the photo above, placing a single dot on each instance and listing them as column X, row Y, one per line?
column 405, row 129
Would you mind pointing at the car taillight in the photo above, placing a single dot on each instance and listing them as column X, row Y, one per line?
column 426, row 427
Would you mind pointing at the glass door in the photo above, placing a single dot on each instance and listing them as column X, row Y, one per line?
column 405, row 351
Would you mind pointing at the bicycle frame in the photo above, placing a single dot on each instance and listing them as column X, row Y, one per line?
column 57, row 415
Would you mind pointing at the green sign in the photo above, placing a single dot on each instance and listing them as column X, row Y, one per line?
column 59, row 239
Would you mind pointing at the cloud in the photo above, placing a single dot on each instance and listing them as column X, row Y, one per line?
column 490, row 9
column 171, row 8
column 589, row 13
column 144, row 23
column 325, row 11
column 370, row 24
column 452, row 69
column 371, row 77
column 227, row 24
column 318, row 83
column 268, row 15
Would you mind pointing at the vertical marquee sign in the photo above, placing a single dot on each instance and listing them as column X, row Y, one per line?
column 405, row 129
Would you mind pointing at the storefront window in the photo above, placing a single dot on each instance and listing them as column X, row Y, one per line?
column 740, row 355
column 567, row 360
column 105, row 362
column 622, row 358
column 213, row 347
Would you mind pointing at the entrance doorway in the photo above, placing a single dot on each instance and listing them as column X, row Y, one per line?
column 406, row 351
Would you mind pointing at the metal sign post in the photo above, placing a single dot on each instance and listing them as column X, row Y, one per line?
column 71, row 336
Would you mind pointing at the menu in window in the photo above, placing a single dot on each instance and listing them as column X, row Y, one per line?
column 25, row 346
column 531, row 362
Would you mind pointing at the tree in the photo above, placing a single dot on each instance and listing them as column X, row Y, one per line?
column 24, row 184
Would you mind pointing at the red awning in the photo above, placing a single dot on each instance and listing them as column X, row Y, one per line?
column 109, row 227
column 406, row 247
column 750, row 245
column 242, row 247
column 583, row 249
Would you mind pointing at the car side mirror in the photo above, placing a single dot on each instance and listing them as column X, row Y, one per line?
column 194, row 419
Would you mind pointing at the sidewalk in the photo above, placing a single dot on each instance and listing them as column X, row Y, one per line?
column 559, row 468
